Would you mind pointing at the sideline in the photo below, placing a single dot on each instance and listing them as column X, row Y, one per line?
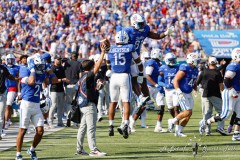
column 9, row 140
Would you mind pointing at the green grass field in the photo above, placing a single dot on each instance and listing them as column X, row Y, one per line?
column 143, row 144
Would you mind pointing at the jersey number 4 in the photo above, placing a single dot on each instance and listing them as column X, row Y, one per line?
column 119, row 59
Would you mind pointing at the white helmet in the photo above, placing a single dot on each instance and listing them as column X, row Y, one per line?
column 45, row 105
column 157, row 54
column 138, row 22
column 146, row 54
column 10, row 60
column 236, row 54
column 39, row 63
column 121, row 37
column 170, row 59
column 193, row 59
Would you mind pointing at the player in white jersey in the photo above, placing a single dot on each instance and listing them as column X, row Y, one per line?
column 120, row 57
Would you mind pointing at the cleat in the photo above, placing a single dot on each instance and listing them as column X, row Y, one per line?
column 125, row 131
column 180, row 134
column 3, row 134
column 19, row 157
column 97, row 153
column 170, row 125
column 111, row 130
column 143, row 126
column 119, row 129
column 132, row 126
column 208, row 134
column 221, row 131
column 82, row 152
column 100, row 119
column 229, row 130
column 236, row 137
column 32, row 154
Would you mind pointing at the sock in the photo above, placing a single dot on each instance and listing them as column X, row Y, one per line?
column 32, row 148
column 236, row 132
column 176, row 127
column 159, row 123
column 111, row 122
column 180, row 128
column 174, row 120
column 18, row 153
column 126, row 122
column 143, row 118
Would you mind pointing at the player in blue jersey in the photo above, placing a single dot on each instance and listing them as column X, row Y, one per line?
column 12, row 88
column 167, row 73
column 156, row 91
column 120, row 57
column 33, row 78
column 137, row 32
column 184, row 83
column 230, row 95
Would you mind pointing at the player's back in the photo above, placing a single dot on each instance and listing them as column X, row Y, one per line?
column 120, row 57
column 187, row 82
column 136, row 37
column 235, row 67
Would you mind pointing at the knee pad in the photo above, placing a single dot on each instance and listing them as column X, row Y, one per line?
column 237, row 121
column 161, row 111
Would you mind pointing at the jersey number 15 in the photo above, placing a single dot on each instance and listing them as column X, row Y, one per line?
column 119, row 59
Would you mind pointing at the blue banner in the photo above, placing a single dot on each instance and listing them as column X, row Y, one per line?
column 218, row 43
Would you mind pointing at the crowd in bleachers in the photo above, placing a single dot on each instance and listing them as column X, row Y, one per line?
column 66, row 26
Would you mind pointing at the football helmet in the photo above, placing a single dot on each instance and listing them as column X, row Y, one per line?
column 10, row 60
column 236, row 54
column 45, row 105
column 146, row 55
column 138, row 22
column 157, row 54
column 193, row 59
column 39, row 64
column 170, row 59
column 121, row 37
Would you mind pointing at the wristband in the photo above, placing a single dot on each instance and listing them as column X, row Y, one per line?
column 156, row 85
column 139, row 63
column 19, row 93
column 52, row 75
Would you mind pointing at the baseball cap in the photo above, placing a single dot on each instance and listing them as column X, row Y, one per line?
column 57, row 56
column 46, row 56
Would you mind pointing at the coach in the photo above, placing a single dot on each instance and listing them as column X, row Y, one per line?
column 57, row 92
column 212, row 83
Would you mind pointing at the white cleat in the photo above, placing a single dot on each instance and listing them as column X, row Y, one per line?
column 180, row 134
column 160, row 129
column 170, row 125
column 236, row 137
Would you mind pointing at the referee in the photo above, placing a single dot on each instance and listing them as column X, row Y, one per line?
column 212, row 84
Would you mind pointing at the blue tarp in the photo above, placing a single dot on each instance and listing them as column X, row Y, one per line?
column 218, row 43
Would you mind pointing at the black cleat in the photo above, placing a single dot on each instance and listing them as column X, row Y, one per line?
column 119, row 129
column 125, row 131
column 111, row 130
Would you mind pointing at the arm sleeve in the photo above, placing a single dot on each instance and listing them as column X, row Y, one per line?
column 149, row 70
column 199, row 78
column 230, row 74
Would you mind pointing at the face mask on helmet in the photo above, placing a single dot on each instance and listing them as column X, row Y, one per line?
column 156, row 54
column 39, row 65
column 170, row 59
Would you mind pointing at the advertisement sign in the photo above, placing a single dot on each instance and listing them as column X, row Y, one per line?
column 218, row 43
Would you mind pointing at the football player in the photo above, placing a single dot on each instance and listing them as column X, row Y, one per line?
column 231, row 96
column 120, row 57
column 33, row 77
column 137, row 33
column 156, row 91
column 12, row 88
column 184, row 83
column 167, row 73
